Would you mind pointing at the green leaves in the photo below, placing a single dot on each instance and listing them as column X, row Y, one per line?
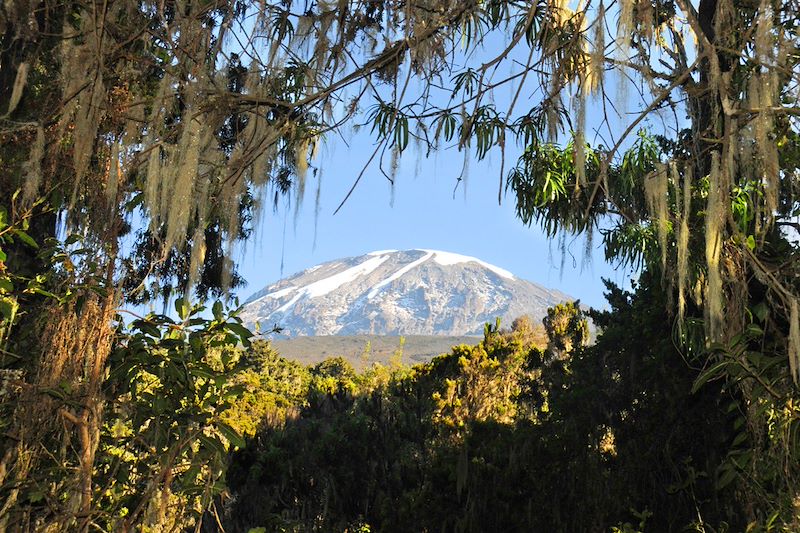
column 638, row 162
column 173, row 381
column 543, row 182
column 231, row 435
column 182, row 308
column 388, row 121
column 715, row 371
column 488, row 129
column 25, row 238
column 744, row 199
column 8, row 309
column 401, row 133
column 447, row 125
column 11, row 282
column 242, row 332
column 147, row 327
column 466, row 82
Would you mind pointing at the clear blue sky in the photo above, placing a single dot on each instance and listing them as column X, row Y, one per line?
column 422, row 212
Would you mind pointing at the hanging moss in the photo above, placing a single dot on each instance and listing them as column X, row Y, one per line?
column 715, row 225
column 597, row 56
column 88, row 115
column 114, row 174
column 625, row 32
column 179, row 204
column 683, row 240
column 33, row 172
column 301, row 167
column 625, row 27
column 656, row 188
column 645, row 20
column 794, row 340
column 19, row 85
column 580, row 139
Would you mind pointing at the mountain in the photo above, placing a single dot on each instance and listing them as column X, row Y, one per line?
column 411, row 292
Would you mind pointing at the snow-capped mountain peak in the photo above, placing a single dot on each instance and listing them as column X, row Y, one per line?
column 449, row 258
column 397, row 292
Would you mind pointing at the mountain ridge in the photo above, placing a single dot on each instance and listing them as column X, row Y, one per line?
column 398, row 292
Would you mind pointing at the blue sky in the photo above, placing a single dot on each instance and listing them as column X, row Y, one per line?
column 421, row 212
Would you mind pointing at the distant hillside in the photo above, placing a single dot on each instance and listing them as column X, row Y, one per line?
column 411, row 292
column 416, row 349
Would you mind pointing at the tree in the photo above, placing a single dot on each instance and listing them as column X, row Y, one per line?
column 567, row 329
column 450, row 445
column 178, row 121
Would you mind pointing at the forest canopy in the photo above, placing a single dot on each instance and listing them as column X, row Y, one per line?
column 141, row 140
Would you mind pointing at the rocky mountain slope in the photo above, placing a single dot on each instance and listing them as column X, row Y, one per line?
column 410, row 292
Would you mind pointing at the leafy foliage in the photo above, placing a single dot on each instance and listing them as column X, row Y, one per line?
column 158, row 137
column 156, row 457
column 504, row 434
column 170, row 384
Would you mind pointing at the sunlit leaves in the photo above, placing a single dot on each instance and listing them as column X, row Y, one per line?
column 540, row 180
column 744, row 200
column 630, row 245
column 637, row 162
column 173, row 381
column 544, row 185
column 548, row 192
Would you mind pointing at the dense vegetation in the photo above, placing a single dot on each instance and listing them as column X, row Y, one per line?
column 140, row 140
column 506, row 434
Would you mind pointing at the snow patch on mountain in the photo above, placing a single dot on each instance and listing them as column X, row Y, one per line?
column 376, row 288
column 331, row 283
column 449, row 258
column 280, row 293
column 326, row 285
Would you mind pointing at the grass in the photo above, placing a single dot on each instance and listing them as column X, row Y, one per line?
column 364, row 350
